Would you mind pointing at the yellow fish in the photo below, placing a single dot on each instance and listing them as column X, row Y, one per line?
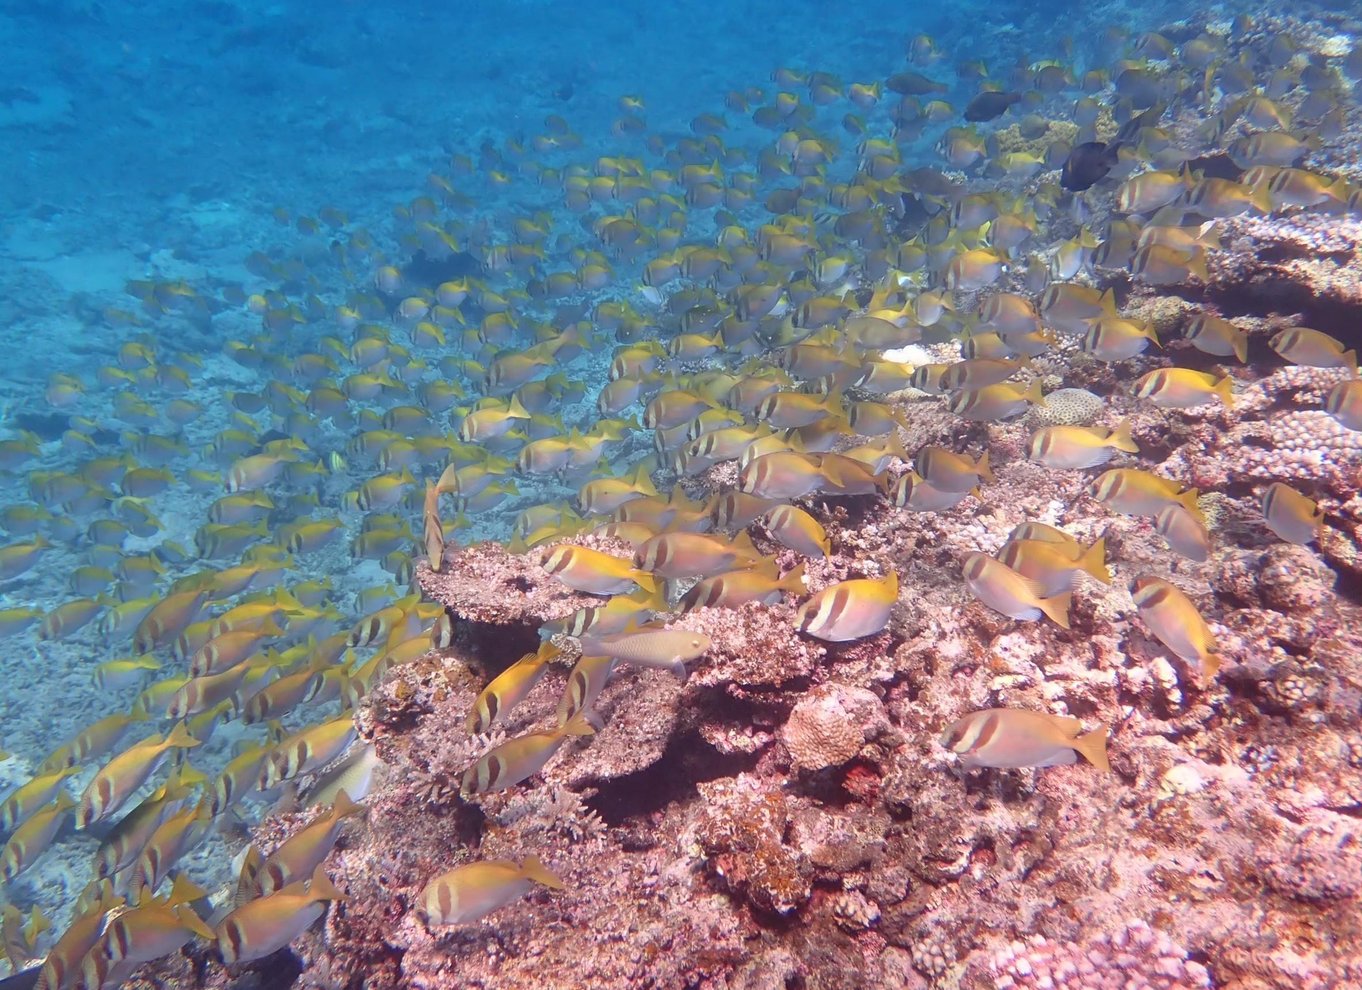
column 849, row 610
column 1078, row 447
column 521, row 757
column 305, row 850
column 1014, row 595
column 474, row 890
column 263, row 926
column 1176, row 623
column 594, row 572
column 508, row 689
column 31, row 839
column 1011, row 737
column 1138, row 493
column 118, row 779
column 1289, row 514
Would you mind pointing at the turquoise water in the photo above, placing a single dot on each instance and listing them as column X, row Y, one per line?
column 189, row 193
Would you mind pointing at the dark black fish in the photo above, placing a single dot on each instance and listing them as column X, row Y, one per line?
column 1132, row 127
column 913, row 84
column 1088, row 164
column 990, row 105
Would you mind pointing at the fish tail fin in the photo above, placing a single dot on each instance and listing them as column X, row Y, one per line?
column 343, row 806
column 1198, row 266
column 321, row 888
column 1210, row 663
column 794, row 581
column 1056, row 608
column 645, row 581
column 1092, row 746
column 533, row 869
column 1261, row 197
column 1188, row 502
column 1225, row 389
column 1094, row 561
column 585, row 723
column 187, row 917
column 179, row 736
column 1350, row 359
column 248, row 880
column 896, row 447
column 982, row 469
column 1034, row 395
column 1121, row 439
column 184, row 891
column 1240, row 345
column 642, row 481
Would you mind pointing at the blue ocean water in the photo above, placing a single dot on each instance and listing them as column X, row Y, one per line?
column 151, row 149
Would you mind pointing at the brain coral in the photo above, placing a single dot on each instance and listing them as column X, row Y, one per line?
column 830, row 724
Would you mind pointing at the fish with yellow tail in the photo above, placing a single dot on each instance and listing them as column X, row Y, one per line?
column 263, row 926
column 1313, row 349
column 63, row 962
column 19, row 935
column 508, row 689
column 1077, row 447
column 167, row 619
column 474, row 890
column 1055, row 566
column 1344, row 404
column 126, row 772
column 736, row 588
column 1184, row 531
column 124, row 842
column 31, row 839
column 1291, row 515
column 584, row 684
column 172, row 839
column 689, row 555
column 796, row 529
column 594, row 572
column 1184, row 388
column 24, row 800
column 849, row 610
column 995, row 402
column 522, row 757
column 1221, row 338
column 1175, row 622
column 1008, row 738
column 1014, row 595
column 308, row 749
column 1134, row 492
column 306, row 849
column 616, row 615
column 915, row 493
column 947, row 471
column 605, row 495
column 146, row 932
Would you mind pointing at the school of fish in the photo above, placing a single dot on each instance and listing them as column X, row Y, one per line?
column 765, row 302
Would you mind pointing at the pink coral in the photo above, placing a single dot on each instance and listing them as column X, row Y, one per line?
column 1134, row 958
